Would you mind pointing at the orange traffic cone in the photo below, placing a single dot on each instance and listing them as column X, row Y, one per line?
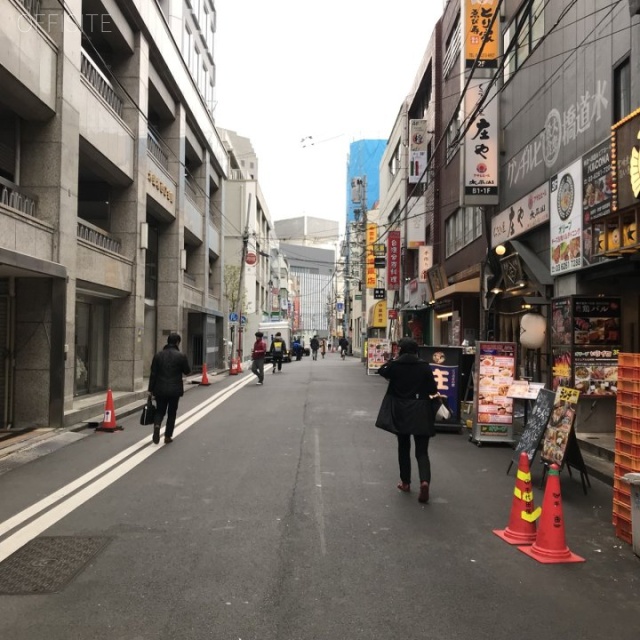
column 522, row 521
column 205, row 378
column 109, row 421
column 550, row 546
column 233, row 368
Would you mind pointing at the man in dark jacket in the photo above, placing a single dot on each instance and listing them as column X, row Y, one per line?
column 278, row 349
column 165, row 384
column 411, row 385
column 315, row 345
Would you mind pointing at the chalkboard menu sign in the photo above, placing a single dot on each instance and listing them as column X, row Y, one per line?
column 536, row 425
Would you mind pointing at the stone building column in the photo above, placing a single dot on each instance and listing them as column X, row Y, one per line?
column 49, row 168
column 128, row 212
column 171, row 239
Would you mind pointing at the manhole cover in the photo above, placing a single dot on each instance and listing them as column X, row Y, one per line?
column 47, row 564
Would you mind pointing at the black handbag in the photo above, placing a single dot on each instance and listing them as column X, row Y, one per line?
column 148, row 412
column 385, row 415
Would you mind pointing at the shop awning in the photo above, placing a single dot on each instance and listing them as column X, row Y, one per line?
column 532, row 263
column 465, row 286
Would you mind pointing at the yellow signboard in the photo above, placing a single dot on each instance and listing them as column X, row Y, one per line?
column 379, row 319
column 480, row 25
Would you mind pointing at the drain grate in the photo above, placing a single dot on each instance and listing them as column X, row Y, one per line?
column 47, row 564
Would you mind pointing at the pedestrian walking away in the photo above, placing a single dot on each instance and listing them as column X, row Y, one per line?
column 344, row 346
column 258, row 353
column 166, row 386
column 315, row 345
column 406, row 411
column 278, row 349
column 297, row 348
column 323, row 347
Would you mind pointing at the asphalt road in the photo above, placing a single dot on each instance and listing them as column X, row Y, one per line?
column 274, row 516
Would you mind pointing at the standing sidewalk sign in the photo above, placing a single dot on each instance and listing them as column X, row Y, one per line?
column 378, row 352
column 446, row 366
column 495, row 370
column 560, row 444
column 534, row 427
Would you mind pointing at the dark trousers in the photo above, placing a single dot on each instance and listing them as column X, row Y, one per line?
column 422, row 457
column 277, row 363
column 168, row 405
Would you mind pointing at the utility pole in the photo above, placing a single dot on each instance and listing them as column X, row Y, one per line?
column 245, row 243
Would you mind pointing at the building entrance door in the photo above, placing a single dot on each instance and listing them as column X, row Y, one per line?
column 92, row 331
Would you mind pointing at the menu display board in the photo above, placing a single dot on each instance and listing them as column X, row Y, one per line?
column 378, row 352
column 495, row 373
column 596, row 371
column 586, row 332
column 558, row 431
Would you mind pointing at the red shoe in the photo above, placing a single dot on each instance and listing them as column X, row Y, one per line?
column 404, row 486
column 423, row 496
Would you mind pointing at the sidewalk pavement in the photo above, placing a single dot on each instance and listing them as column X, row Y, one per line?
column 87, row 413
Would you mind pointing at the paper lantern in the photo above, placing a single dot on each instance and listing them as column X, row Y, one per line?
column 533, row 330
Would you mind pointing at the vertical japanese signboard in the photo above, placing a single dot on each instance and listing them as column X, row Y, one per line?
column 425, row 260
column 566, row 219
column 597, row 199
column 481, row 145
column 417, row 150
column 480, row 26
column 495, row 371
column 372, row 236
column 393, row 265
column 446, row 363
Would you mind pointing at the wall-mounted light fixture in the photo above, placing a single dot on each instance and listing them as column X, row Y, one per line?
column 496, row 291
column 500, row 250
column 521, row 283
column 144, row 235
column 442, row 316
column 183, row 259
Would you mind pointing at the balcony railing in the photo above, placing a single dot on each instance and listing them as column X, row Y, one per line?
column 97, row 237
column 32, row 6
column 99, row 82
column 191, row 189
column 11, row 195
column 155, row 150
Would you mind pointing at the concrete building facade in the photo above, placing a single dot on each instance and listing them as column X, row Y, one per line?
column 111, row 199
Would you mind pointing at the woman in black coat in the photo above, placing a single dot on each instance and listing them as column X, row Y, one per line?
column 408, row 412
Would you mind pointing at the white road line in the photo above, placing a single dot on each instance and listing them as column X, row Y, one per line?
column 186, row 421
column 319, row 503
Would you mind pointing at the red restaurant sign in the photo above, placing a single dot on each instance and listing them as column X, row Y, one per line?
column 393, row 266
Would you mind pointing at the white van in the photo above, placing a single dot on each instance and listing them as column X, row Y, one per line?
column 269, row 329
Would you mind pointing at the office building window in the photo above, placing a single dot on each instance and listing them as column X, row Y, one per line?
column 394, row 163
column 453, row 144
column 529, row 25
column 453, row 45
column 622, row 90
column 462, row 228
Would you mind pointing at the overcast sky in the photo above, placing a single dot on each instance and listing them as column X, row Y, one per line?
column 336, row 70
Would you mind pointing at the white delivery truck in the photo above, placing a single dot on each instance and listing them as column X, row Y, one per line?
column 270, row 329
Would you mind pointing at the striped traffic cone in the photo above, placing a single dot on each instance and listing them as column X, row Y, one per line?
column 522, row 521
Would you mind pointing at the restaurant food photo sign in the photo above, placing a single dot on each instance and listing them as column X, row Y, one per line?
column 566, row 219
